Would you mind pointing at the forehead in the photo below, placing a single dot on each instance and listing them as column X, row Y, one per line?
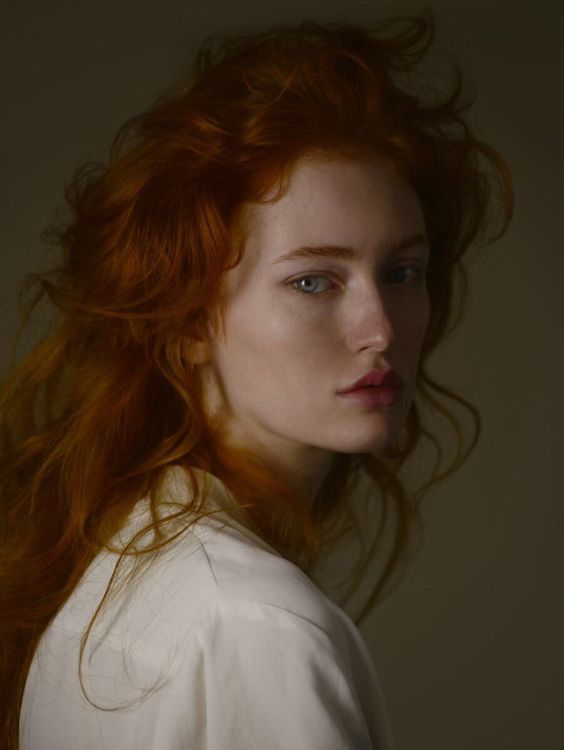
column 336, row 202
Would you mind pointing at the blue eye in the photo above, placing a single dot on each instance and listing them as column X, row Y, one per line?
column 399, row 275
column 417, row 271
column 303, row 289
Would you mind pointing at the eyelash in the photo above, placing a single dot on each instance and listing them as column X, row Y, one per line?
column 420, row 273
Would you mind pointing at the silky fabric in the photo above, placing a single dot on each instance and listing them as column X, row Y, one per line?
column 220, row 644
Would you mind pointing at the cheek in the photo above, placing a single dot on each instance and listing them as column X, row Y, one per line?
column 277, row 335
column 419, row 330
column 425, row 317
column 416, row 318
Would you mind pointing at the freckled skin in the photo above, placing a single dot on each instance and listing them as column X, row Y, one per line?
column 275, row 373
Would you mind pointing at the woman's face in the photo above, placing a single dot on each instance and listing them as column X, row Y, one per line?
column 298, row 331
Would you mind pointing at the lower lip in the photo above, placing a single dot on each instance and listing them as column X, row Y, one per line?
column 374, row 396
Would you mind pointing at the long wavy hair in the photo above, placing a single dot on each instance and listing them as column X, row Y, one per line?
column 107, row 401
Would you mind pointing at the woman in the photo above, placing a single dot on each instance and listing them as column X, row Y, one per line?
column 249, row 291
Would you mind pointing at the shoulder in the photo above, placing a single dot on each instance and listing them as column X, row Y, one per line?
column 220, row 558
column 213, row 565
column 245, row 571
column 214, row 603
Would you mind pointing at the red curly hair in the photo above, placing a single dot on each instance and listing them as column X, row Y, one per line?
column 92, row 417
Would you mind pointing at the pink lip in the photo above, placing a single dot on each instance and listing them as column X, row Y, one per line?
column 374, row 396
column 387, row 378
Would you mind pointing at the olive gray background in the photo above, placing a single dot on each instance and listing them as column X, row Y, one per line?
column 469, row 647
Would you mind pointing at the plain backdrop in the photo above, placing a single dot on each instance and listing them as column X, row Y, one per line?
column 469, row 648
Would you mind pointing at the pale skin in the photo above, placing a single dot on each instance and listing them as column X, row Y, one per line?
column 298, row 331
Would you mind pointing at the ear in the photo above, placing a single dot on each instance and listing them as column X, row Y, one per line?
column 197, row 351
column 197, row 347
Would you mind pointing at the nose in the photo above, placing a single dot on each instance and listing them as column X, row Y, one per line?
column 374, row 328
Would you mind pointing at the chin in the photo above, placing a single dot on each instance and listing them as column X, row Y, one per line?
column 369, row 445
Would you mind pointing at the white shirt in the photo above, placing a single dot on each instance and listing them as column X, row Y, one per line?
column 220, row 644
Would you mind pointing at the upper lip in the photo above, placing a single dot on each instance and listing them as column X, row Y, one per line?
column 376, row 377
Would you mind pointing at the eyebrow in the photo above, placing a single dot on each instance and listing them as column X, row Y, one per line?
column 348, row 253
